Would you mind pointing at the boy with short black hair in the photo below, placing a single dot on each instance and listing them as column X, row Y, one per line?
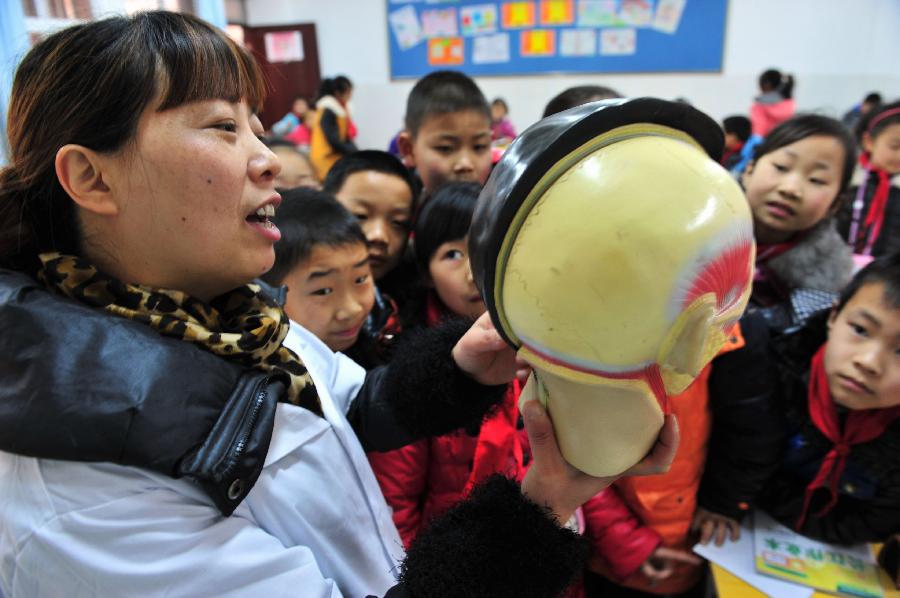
column 838, row 480
column 448, row 130
column 737, row 132
column 323, row 259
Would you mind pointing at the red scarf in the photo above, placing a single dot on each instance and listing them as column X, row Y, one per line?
column 766, row 252
column 861, row 426
column 875, row 215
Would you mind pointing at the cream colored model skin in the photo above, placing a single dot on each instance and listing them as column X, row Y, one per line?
column 658, row 242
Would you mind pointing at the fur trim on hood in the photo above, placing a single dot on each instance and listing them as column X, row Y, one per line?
column 821, row 261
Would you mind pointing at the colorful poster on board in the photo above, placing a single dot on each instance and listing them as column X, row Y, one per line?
column 439, row 22
column 491, row 49
column 446, row 51
column 557, row 12
column 478, row 19
column 577, row 36
column 518, row 15
column 538, row 42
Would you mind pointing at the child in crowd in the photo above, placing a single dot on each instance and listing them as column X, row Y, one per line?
column 426, row 478
column 794, row 185
column 333, row 131
column 775, row 104
column 448, row 131
column 576, row 96
column 378, row 190
column 737, row 132
column 838, row 386
column 294, row 123
column 502, row 130
column 639, row 532
column 323, row 260
column 851, row 118
column 871, row 222
column 296, row 167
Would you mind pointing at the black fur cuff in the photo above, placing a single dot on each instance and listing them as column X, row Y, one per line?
column 496, row 543
column 429, row 394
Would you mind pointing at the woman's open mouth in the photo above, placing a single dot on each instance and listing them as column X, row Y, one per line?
column 261, row 221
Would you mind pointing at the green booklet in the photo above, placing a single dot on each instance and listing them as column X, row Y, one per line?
column 785, row 554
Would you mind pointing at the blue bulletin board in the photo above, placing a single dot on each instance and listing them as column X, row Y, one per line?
column 513, row 37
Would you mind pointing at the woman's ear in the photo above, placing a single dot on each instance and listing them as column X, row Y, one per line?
column 405, row 144
column 80, row 173
column 748, row 170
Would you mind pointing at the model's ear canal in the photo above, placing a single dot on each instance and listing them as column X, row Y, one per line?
column 690, row 344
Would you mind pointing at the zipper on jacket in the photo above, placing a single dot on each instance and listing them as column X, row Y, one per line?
column 247, row 428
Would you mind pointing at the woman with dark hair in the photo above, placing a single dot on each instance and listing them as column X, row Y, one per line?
column 333, row 131
column 164, row 429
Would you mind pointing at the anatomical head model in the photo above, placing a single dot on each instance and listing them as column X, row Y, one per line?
column 615, row 254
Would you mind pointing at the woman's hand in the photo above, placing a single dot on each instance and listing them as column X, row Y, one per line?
column 484, row 355
column 712, row 525
column 552, row 482
column 663, row 562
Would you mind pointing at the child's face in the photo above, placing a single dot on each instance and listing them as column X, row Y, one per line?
column 296, row 171
column 498, row 112
column 732, row 141
column 383, row 205
column 862, row 358
column 451, row 147
column 332, row 293
column 451, row 276
column 794, row 187
column 884, row 150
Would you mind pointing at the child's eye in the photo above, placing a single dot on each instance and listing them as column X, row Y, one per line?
column 362, row 279
column 859, row 330
column 482, row 147
column 360, row 216
column 444, row 149
column 818, row 182
column 401, row 224
column 322, row 292
column 453, row 254
column 780, row 167
column 229, row 126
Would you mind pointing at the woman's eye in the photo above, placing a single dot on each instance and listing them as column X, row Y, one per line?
column 362, row 279
column 453, row 254
column 322, row 292
column 230, row 127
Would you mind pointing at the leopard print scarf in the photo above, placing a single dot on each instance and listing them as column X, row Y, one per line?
column 242, row 326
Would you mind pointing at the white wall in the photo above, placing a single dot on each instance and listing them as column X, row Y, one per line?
column 838, row 51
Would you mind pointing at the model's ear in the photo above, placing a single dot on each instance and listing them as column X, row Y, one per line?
column 80, row 173
column 405, row 144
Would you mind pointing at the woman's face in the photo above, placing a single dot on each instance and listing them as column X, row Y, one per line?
column 194, row 191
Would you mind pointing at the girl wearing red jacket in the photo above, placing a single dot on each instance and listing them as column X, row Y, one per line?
column 426, row 478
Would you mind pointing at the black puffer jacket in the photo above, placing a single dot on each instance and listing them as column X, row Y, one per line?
column 868, row 507
column 78, row 384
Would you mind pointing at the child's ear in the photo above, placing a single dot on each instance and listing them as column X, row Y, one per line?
column 867, row 142
column 405, row 144
column 81, row 173
column 832, row 317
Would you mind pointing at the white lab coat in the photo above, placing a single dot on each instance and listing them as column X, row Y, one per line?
column 315, row 524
